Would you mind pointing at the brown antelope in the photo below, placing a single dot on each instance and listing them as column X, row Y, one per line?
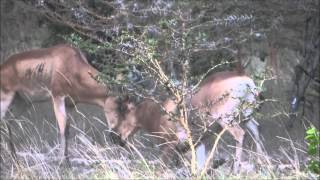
column 57, row 72
column 222, row 97
column 149, row 116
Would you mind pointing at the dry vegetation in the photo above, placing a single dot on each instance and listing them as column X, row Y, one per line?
column 214, row 26
column 94, row 156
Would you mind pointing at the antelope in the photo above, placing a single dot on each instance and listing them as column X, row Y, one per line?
column 222, row 96
column 151, row 117
column 55, row 73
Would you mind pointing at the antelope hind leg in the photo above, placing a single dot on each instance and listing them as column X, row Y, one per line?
column 60, row 113
column 5, row 101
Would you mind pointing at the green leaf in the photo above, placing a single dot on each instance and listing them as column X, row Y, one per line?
column 313, row 140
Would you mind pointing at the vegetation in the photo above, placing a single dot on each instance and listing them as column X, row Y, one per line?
column 313, row 139
column 152, row 49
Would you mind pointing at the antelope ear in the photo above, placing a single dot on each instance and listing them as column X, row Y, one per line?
column 122, row 107
column 126, row 98
column 118, row 99
column 131, row 106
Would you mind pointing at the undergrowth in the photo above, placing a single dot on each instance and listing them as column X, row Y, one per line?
column 93, row 156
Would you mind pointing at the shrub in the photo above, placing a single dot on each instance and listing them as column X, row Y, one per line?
column 313, row 140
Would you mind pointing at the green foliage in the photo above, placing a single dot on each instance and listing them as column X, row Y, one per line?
column 109, row 70
column 85, row 44
column 313, row 139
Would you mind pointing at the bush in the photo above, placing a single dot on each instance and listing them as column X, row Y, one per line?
column 313, row 140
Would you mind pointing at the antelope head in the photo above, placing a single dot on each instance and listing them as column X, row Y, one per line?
column 121, row 119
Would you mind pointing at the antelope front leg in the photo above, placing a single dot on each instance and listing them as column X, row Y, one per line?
column 201, row 156
column 238, row 133
column 253, row 128
column 60, row 113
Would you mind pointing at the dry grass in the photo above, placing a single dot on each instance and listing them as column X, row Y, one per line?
column 93, row 156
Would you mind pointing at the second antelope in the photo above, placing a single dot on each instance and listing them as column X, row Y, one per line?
column 57, row 73
column 222, row 97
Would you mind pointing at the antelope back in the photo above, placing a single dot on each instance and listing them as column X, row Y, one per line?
column 225, row 94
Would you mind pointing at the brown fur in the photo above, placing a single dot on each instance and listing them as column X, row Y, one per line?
column 215, row 97
column 57, row 72
column 148, row 115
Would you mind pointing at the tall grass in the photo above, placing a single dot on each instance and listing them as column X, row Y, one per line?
column 94, row 156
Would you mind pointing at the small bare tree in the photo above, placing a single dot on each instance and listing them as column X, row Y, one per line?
column 156, row 41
